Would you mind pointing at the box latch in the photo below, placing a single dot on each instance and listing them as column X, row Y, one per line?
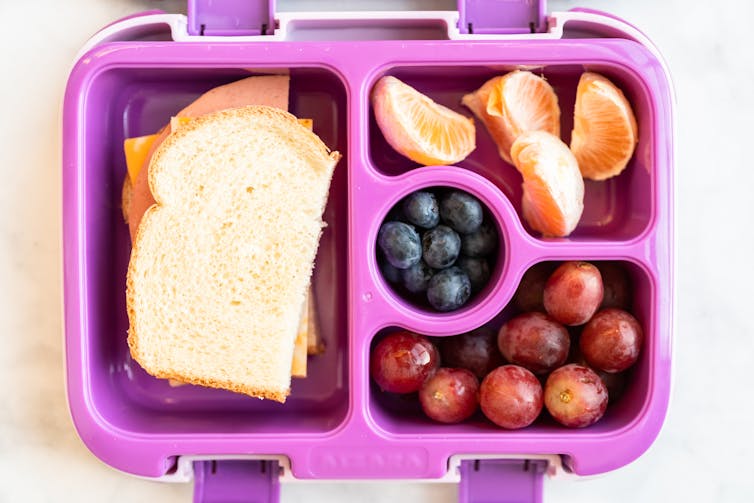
column 501, row 481
column 236, row 481
column 502, row 16
column 231, row 17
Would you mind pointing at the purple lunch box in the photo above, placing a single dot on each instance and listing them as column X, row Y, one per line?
column 134, row 74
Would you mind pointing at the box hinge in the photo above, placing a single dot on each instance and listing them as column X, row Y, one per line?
column 501, row 481
column 236, row 481
column 231, row 17
column 502, row 16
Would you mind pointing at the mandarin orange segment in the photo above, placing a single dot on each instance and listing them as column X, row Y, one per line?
column 418, row 128
column 604, row 128
column 553, row 198
column 513, row 104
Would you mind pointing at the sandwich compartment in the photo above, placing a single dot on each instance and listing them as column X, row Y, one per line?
column 336, row 424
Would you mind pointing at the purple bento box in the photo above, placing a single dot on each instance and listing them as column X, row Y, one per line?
column 137, row 72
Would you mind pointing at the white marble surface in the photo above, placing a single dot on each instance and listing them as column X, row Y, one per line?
column 702, row 453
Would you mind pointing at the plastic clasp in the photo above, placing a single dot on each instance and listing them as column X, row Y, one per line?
column 501, row 481
column 236, row 481
column 231, row 17
column 502, row 16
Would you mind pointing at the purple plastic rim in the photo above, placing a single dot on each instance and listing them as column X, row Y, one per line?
column 358, row 448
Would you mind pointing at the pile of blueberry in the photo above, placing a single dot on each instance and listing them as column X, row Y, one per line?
column 437, row 246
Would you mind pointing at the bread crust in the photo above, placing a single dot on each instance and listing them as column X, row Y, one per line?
column 125, row 197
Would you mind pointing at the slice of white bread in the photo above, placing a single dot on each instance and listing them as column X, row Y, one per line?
column 137, row 151
column 220, row 265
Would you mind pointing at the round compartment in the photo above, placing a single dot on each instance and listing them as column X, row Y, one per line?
column 482, row 304
column 443, row 248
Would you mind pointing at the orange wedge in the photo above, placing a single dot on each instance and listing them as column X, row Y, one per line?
column 604, row 128
column 418, row 128
column 553, row 197
column 513, row 104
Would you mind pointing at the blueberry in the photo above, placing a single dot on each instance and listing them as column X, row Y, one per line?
column 461, row 211
column 420, row 208
column 481, row 242
column 416, row 278
column 390, row 273
column 449, row 289
column 400, row 243
column 441, row 247
column 477, row 270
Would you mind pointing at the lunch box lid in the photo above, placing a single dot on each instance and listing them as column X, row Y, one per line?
column 501, row 479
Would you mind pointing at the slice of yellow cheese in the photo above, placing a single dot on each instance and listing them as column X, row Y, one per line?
column 136, row 150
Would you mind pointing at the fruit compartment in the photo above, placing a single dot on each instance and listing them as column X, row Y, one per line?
column 413, row 310
column 401, row 415
column 617, row 209
column 124, row 102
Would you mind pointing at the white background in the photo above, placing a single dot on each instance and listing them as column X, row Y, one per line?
column 704, row 449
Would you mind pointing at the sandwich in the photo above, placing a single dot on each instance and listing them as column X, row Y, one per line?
column 225, row 216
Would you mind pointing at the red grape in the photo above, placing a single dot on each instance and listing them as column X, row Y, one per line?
column 612, row 340
column 511, row 397
column 575, row 396
column 476, row 351
column 573, row 293
column 534, row 341
column 615, row 382
column 402, row 361
column 616, row 285
column 528, row 296
column 450, row 395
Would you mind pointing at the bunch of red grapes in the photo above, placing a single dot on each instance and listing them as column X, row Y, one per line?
column 567, row 351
